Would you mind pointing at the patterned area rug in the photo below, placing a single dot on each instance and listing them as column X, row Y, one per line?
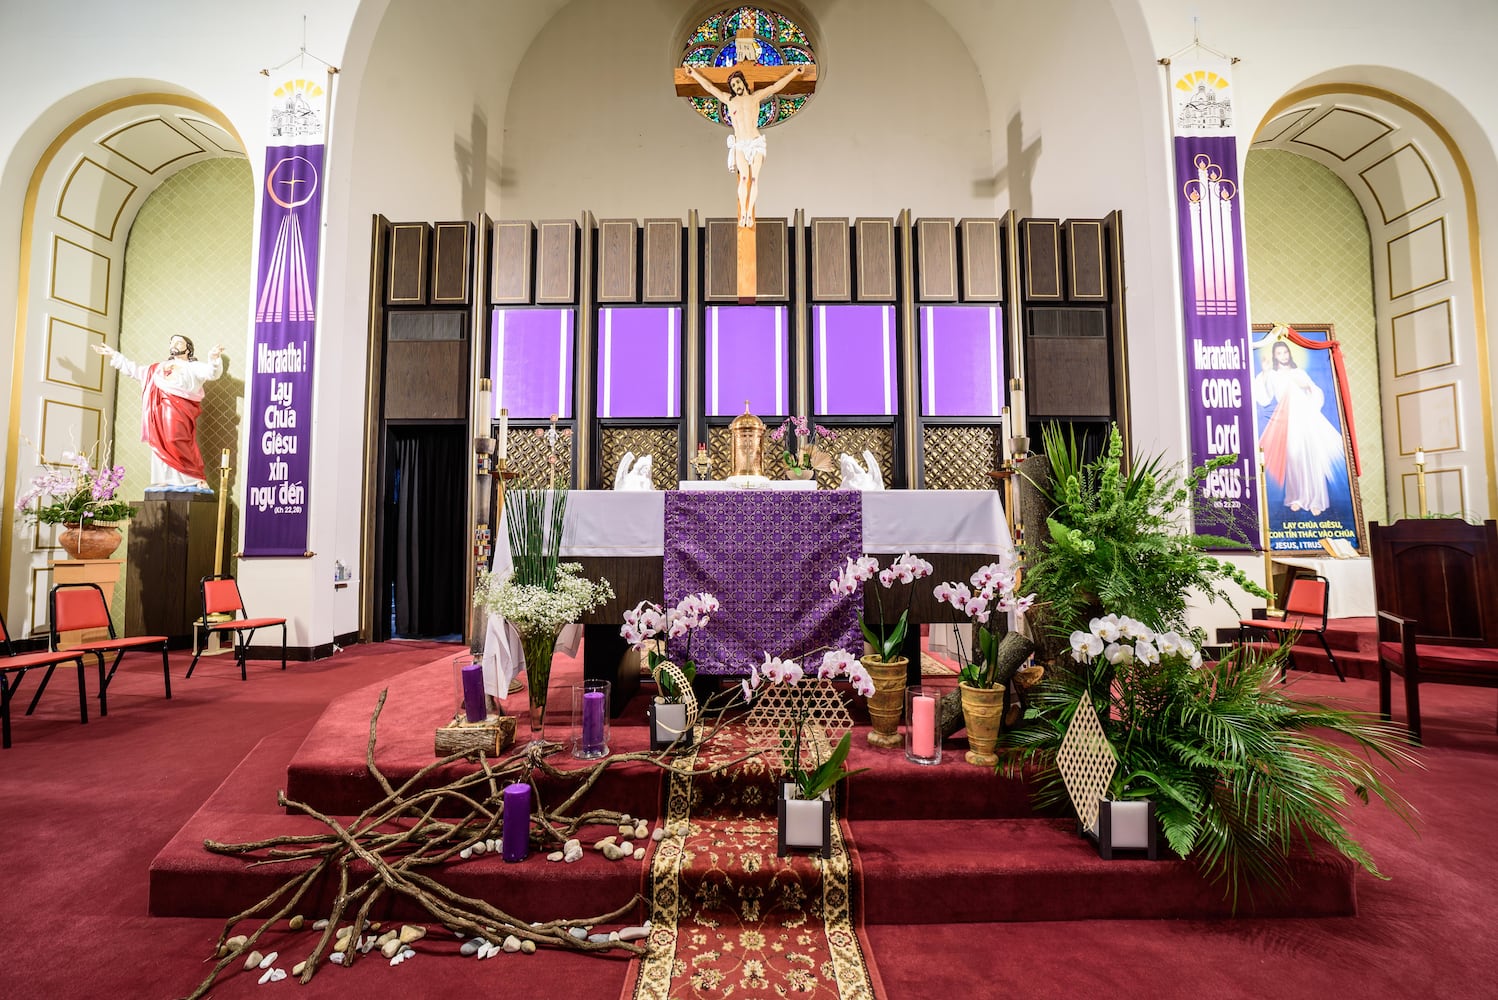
column 729, row 917
column 932, row 667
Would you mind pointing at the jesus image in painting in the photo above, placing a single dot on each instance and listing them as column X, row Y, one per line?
column 1303, row 450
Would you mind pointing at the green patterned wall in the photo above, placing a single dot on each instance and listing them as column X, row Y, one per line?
column 1309, row 262
column 187, row 271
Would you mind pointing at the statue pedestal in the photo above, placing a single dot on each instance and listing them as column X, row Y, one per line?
column 103, row 572
column 170, row 551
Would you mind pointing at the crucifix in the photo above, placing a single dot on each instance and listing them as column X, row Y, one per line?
column 742, row 88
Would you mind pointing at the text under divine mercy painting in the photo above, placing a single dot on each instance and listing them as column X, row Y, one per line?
column 277, row 465
column 962, row 361
column 1304, row 430
column 1210, row 238
column 639, row 362
column 748, row 360
column 531, row 362
column 854, row 369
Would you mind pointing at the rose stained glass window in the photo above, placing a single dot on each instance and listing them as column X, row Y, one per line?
column 781, row 42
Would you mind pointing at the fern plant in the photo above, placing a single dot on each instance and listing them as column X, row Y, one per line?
column 1240, row 772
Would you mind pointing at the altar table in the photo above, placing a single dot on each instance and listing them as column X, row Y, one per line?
column 621, row 536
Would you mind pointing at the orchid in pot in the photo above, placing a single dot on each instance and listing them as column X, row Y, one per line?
column 993, row 657
column 648, row 628
column 804, row 809
column 800, row 460
column 82, row 499
column 884, row 665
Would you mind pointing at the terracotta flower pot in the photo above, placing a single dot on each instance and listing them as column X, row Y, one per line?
column 887, row 703
column 94, row 541
column 981, row 710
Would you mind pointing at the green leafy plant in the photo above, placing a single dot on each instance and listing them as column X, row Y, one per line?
column 1240, row 772
column 1116, row 539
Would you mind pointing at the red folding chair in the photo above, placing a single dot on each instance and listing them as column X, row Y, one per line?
column 81, row 606
column 1305, row 614
column 221, row 596
column 17, row 664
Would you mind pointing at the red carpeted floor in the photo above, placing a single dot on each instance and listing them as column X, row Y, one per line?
column 86, row 808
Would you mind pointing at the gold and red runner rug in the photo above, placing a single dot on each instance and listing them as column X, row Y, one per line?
column 729, row 917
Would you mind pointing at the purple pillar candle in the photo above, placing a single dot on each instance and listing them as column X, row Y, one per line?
column 473, row 693
column 593, row 721
column 516, row 829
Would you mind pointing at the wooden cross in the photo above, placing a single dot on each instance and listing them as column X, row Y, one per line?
column 758, row 77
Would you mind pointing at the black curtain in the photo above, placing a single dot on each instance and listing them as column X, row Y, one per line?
column 425, row 544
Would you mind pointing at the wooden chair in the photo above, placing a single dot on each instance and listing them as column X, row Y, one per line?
column 17, row 664
column 221, row 596
column 1305, row 614
column 1435, row 582
column 81, row 606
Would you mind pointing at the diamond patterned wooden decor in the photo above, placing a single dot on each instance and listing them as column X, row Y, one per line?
column 777, row 707
column 530, row 457
column 854, row 440
column 1086, row 762
column 959, row 458
column 659, row 442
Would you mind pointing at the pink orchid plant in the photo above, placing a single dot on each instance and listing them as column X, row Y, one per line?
column 77, row 493
column 793, row 436
column 647, row 628
column 835, row 663
column 991, row 588
column 905, row 570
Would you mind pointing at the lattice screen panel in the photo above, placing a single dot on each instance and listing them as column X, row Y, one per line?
column 532, row 457
column 772, row 718
column 960, row 458
column 854, row 440
column 720, row 450
column 659, row 442
column 1086, row 762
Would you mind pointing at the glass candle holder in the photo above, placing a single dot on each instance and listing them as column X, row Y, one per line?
column 590, row 719
column 922, row 734
column 469, row 700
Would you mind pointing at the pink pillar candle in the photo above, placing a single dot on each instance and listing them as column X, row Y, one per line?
column 473, row 693
column 923, row 725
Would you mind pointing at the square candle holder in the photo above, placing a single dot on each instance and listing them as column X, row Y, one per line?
column 590, row 719
column 922, row 731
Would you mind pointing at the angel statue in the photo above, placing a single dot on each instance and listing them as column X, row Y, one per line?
column 857, row 477
column 634, row 473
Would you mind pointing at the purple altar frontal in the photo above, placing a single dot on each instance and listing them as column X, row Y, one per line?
column 769, row 557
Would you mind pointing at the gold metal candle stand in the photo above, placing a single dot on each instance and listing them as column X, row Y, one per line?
column 702, row 462
column 223, row 512
column 1264, row 535
column 1420, row 481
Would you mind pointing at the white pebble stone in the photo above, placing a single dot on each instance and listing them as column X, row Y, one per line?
column 296, row 970
column 320, row 925
column 598, row 938
column 581, row 933
column 614, row 937
column 626, row 828
column 479, row 847
column 647, row 925
column 397, row 960
column 528, row 947
column 606, row 841
column 574, row 842
column 632, row 933
column 555, row 856
column 625, row 818
column 574, row 854
column 612, row 852
column 466, row 853
column 641, row 830
column 470, row 947
column 492, row 844
column 659, row 833
column 391, row 948
column 265, row 976
column 253, row 961
column 269, row 960
column 627, row 847
column 336, row 958
column 639, row 854
column 512, row 944
column 276, row 975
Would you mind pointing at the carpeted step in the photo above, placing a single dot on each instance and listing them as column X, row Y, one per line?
column 1039, row 869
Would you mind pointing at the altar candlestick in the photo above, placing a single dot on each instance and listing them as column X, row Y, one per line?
column 592, row 721
column 223, row 460
column 1004, row 435
column 515, row 831
column 473, row 693
column 1420, row 481
column 923, row 725
column 503, row 450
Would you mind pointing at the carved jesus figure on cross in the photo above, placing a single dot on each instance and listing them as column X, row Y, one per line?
column 746, row 147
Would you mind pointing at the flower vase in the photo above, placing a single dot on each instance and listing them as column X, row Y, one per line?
column 92, row 541
column 796, row 473
column 888, row 700
column 982, row 709
column 538, row 650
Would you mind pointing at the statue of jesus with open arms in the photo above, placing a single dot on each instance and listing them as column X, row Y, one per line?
column 746, row 147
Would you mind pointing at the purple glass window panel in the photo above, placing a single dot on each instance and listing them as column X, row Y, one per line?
column 532, row 353
column 639, row 374
column 747, row 351
column 853, row 349
column 962, row 361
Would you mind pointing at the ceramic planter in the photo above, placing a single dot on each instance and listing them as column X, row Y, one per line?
column 982, row 711
column 888, row 700
column 668, row 725
column 1127, row 825
column 803, row 824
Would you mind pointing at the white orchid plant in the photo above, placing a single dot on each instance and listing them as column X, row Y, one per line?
column 835, row 663
column 991, row 588
column 1120, row 640
column 887, row 640
column 648, row 627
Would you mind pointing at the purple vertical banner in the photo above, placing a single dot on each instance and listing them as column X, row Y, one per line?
column 1213, row 301
column 747, row 360
column 531, row 354
column 962, row 361
column 277, row 463
column 639, row 362
column 853, row 361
